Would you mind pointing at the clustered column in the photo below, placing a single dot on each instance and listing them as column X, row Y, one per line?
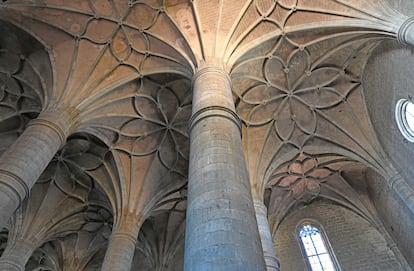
column 22, row 164
column 221, row 228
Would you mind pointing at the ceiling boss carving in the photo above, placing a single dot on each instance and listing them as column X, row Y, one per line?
column 311, row 176
column 304, row 94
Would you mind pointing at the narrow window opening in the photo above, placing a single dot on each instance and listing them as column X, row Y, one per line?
column 316, row 249
column 404, row 115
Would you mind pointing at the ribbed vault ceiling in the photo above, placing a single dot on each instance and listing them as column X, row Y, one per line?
column 126, row 66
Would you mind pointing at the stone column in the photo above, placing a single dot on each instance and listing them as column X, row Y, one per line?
column 22, row 164
column 121, row 247
column 405, row 33
column 272, row 263
column 15, row 257
column 403, row 190
column 221, row 227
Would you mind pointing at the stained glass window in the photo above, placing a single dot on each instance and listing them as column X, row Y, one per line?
column 314, row 246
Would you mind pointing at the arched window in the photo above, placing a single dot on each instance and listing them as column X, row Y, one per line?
column 315, row 248
column 404, row 115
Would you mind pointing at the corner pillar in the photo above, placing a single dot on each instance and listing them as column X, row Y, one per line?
column 23, row 163
column 272, row 263
column 221, row 227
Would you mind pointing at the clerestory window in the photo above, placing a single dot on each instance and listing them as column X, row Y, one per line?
column 316, row 249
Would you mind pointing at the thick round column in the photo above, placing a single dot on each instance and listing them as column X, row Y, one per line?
column 121, row 247
column 406, row 32
column 15, row 257
column 221, row 228
column 22, row 164
column 272, row 263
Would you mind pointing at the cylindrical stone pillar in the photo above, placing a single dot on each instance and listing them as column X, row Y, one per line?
column 15, row 256
column 221, row 227
column 405, row 33
column 403, row 190
column 272, row 263
column 121, row 247
column 22, row 164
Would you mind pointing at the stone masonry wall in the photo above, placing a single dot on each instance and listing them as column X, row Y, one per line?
column 357, row 245
column 397, row 218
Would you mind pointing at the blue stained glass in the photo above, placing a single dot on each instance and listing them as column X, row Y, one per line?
column 308, row 230
column 318, row 256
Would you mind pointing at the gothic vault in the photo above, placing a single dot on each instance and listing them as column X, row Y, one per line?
column 195, row 135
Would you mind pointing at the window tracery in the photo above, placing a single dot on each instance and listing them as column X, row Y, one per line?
column 315, row 248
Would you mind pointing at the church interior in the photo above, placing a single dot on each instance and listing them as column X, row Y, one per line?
column 169, row 135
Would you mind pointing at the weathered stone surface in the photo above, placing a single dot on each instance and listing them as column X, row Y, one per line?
column 116, row 76
column 221, row 228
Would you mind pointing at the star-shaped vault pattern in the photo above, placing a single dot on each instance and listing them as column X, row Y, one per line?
column 125, row 67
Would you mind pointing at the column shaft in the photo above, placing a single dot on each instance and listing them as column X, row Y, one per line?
column 121, row 248
column 22, row 164
column 272, row 263
column 15, row 256
column 221, row 228
column 403, row 190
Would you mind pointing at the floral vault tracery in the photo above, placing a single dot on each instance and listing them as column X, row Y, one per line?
column 123, row 71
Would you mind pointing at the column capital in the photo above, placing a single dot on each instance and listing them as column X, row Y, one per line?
column 24, row 161
column 121, row 247
column 405, row 33
column 259, row 206
column 394, row 179
column 211, row 62
column 212, row 95
column 16, row 184
column 59, row 120
column 215, row 111
column 211, row 68
column 127, row 227
column 124, row 235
